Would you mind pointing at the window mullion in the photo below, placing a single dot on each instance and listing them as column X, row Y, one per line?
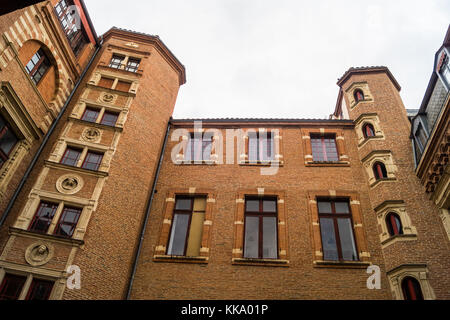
column 56, row 218
column 26, row 287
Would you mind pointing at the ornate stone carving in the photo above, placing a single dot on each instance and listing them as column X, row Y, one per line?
column 39, row 253
column 91, row 135
column 69, row 184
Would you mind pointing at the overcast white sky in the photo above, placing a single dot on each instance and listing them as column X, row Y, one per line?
column 282, row 58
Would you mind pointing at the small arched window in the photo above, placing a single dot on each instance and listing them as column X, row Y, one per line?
column 411, row 289
column 394, row 224
column 379, row 171
column 359, row 95
column 368, row 130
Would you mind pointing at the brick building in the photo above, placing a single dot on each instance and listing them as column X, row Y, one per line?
column 96, row 174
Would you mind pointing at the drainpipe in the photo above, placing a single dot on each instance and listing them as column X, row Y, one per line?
column 147, row 212
column 46, row 138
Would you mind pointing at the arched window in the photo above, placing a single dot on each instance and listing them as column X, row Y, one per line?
column 359, row 95
column 394, row 224
column 411, row 289
column 379, row 171
column 368, row 130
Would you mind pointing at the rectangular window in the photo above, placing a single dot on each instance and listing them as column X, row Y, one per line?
column 260, row 147
column 40, row 290
column 109, row 118
column 11, row 287
column 187, row 226
column 260, row 239
column 123, row 86
column 336, row 230
column 90, row 115
column 68, row 222
column 43, row 217
column 198, row 147
column 421, row 137
column 71, row 156
column 92, row 161
column 133, row 64
column 324, row 148
column 106, row 83
column 7, row 141
column 38, row 66
column 116, row 61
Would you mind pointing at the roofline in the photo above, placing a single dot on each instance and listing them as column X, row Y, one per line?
column 262, row 121
column 365, row 70
column 154, row 40
column 91, row 25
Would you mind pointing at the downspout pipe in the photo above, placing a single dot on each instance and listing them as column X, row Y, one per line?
column 46, row 138
column 147, row 211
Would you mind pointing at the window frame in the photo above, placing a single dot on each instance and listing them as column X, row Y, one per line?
column 116, row 61
column 379, row 171
column 324, row 147
column 4, row 283
column 43, row 61
column 365, row 128
column 109, row 124
column 133, row 64
column 75, row 149
column 268, row 137
column 3, row 131
column 411, row 289
column 86, row 157
column 90, row 109
column 34, row 283
column 57, row 229
column 36, row 218
column 182, row 212
column 394, row 224
column 358, row 95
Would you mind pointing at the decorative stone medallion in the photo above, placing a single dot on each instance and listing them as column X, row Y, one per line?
column 69, row 184
column 39, row 253
column 91, row 135
column 108, row 97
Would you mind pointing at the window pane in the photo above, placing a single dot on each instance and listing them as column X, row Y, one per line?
column 324, row 206
column 11, row 287
column 207, row 147
column 43, row 217
column 71, row 157
column 347, row 241
column 252, row 206
column 183, row 204
column 92, row 161
column 341, row 207
column 178, row 234
column 68, row 222
column 195, row 234
column 267, row 147
column 7, row 140
column 251, row 237
column 269, row 206
column 328, row 239
column 252, row 147
column 90, row 115
column 109, row 119
column 40, row 290
column 270, row 238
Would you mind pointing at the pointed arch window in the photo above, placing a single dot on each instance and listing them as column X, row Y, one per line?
column 379, row 170
column 411, row 289
column 368, row 130
column 394, row 224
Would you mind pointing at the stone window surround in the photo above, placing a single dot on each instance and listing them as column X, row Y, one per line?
column 98, row 74
column 30, row 273
column 340, row 146
column 63, row 143
column 37, row 196
column 278, row 145
column 385, row 157
column 358, row 229
column 79, row 109
column 364, row 87
column 169, row 205
column 417, row 271
column 398, row 207
column 126, row 53
column 371, row 118
column 216, row 147
column 238, row 245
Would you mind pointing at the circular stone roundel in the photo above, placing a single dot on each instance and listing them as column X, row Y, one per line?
column 69, row 184
column 39, row 253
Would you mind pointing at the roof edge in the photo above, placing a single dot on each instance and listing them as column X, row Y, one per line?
column 365, row 70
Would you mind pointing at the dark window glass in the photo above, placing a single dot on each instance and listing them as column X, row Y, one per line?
column 359, row 95
column 180, row 226
column 324, row 148
column 68, row 222
column 92, row 161
column 379, row 171
column 90, row 115
column 421, row 137
column 11, row 287
column 7, row 140
column 368, row 130
column 133, row 64
column 260, row 147
column 71, row 156
column 338, row 241
column 260, row 238
column 411, row 289
column 394, row 224
column 43, row 217
column 116, row 61
column 109, row 118
column 38, row 66
column 40, row 290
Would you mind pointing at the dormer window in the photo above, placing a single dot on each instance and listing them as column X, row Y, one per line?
column 358, row 95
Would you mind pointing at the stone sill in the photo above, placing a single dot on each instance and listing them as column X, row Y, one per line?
column 366, row 140
column 97, row 125
column 341, row 264
column 327, row 163
column 260, row 262
column 398, row 237
column 269, row 163
column 40, row 236
column 58, row 165
column 197, row 163
column 180, row 259
column 382, row 180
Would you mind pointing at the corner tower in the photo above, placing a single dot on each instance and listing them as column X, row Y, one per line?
column 84, row 203
column 408, row 222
